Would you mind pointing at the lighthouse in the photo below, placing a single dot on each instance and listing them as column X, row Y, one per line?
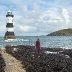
column 9, row 35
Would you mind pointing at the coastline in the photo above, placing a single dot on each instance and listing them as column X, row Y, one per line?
column 50, row 59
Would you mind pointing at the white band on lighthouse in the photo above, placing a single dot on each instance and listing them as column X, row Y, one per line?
column 10, row 29
column 9, row 20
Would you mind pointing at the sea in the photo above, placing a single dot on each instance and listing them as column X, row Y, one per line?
column 45, row 41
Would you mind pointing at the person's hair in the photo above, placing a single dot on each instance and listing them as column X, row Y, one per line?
column 38, row 39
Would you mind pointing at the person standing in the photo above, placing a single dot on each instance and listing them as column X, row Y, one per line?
column 37, row 48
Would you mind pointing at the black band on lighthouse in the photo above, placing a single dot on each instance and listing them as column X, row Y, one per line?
column 9, row 15
column 10, row 25
column 9, row 33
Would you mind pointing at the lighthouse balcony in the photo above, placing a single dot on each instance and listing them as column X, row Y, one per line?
column 11, row 15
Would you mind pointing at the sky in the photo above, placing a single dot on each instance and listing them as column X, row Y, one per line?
column 36, row 17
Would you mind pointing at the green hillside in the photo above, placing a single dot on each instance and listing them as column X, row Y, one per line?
column 64, row 32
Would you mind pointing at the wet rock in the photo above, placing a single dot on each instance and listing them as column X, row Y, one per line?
column 45, row 62
column 2, row 64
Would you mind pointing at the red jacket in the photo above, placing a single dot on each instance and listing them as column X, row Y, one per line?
column 37, row 45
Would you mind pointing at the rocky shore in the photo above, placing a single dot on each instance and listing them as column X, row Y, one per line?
column 50, row 59
column 2, row 63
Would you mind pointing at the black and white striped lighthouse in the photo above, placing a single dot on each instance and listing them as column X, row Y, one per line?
column 9, row 35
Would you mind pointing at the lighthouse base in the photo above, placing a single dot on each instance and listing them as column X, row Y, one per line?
column 9, row 35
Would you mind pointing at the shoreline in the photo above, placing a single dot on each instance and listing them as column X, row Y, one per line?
column 50, row 59
column 44, row 50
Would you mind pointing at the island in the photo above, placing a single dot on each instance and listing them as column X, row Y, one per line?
column 63, row 32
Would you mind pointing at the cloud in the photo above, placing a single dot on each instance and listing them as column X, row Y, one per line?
column 48, row 21
column 25, row 28
column 51, row 16
column 66, row 16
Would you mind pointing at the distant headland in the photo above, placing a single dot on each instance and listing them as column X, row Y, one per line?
column 63, row 32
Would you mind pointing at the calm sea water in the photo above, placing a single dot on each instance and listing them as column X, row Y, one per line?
column 46, row 41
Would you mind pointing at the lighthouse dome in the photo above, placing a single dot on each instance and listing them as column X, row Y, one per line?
column 9, row 13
